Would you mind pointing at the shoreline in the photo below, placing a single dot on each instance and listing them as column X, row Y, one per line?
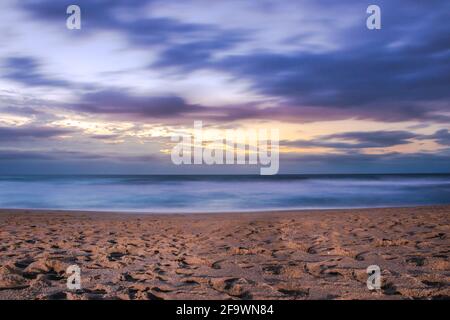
column 310, row 254
column 189, row 213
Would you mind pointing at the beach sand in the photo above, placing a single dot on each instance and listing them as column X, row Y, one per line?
column 274, row 255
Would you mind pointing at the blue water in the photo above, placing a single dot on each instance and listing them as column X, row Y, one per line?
column 221, row 193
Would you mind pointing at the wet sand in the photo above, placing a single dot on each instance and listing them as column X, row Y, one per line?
column 272, row 255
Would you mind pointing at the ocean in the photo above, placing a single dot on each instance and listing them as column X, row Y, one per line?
column 219, row 193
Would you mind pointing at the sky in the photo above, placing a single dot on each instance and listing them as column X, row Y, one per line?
column 106, row 99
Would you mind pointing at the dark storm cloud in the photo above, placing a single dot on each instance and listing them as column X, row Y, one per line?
column 195, row 55
column 441, row 136
column 401, row 72
column 27, row 133
column 374, row 139
column 103, row 15
column 344, row 159
column 25, row 70
column 372, row 84
column 118, row 102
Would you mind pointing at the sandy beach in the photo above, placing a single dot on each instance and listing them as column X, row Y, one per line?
column 271, row 255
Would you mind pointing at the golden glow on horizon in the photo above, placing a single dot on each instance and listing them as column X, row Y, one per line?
column 160, row 133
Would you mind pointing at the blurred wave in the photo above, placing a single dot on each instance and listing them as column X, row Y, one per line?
column 221, row 193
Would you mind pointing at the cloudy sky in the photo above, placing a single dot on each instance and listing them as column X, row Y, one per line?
column 106, row 98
